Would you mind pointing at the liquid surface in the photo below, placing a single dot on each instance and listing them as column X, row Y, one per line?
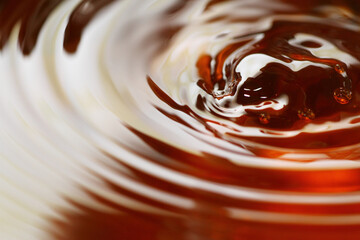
column 289, row 78
column 182, row 120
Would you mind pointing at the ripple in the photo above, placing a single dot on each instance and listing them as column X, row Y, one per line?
column 185, row 119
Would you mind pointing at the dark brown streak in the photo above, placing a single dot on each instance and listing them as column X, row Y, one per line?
column 33, row 23
column 79, row 19
column 13, row 12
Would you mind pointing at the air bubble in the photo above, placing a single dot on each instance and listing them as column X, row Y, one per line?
column 342, row 95
column 264, row 118
column 306, row 114
column 339, row 69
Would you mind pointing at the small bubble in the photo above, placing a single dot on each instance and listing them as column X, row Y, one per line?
column 342, row 95
column 339, row 69
column 306, row 114
column 264, row 118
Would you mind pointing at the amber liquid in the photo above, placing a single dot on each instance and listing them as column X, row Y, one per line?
column 319, row 87
column 317, row 94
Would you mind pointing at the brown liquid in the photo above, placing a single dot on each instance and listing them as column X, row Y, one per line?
column 79, row 19
column 325, row 91
column 316, row 94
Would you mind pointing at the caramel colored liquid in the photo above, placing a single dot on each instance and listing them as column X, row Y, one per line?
column 180, row 120
column 326, row 90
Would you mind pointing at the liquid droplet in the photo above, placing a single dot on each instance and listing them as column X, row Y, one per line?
column 342, row 95
column 264, row 118
column 339, row 69
column 306, row 114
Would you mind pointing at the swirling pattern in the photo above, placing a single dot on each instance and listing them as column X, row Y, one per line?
column 130, row 120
